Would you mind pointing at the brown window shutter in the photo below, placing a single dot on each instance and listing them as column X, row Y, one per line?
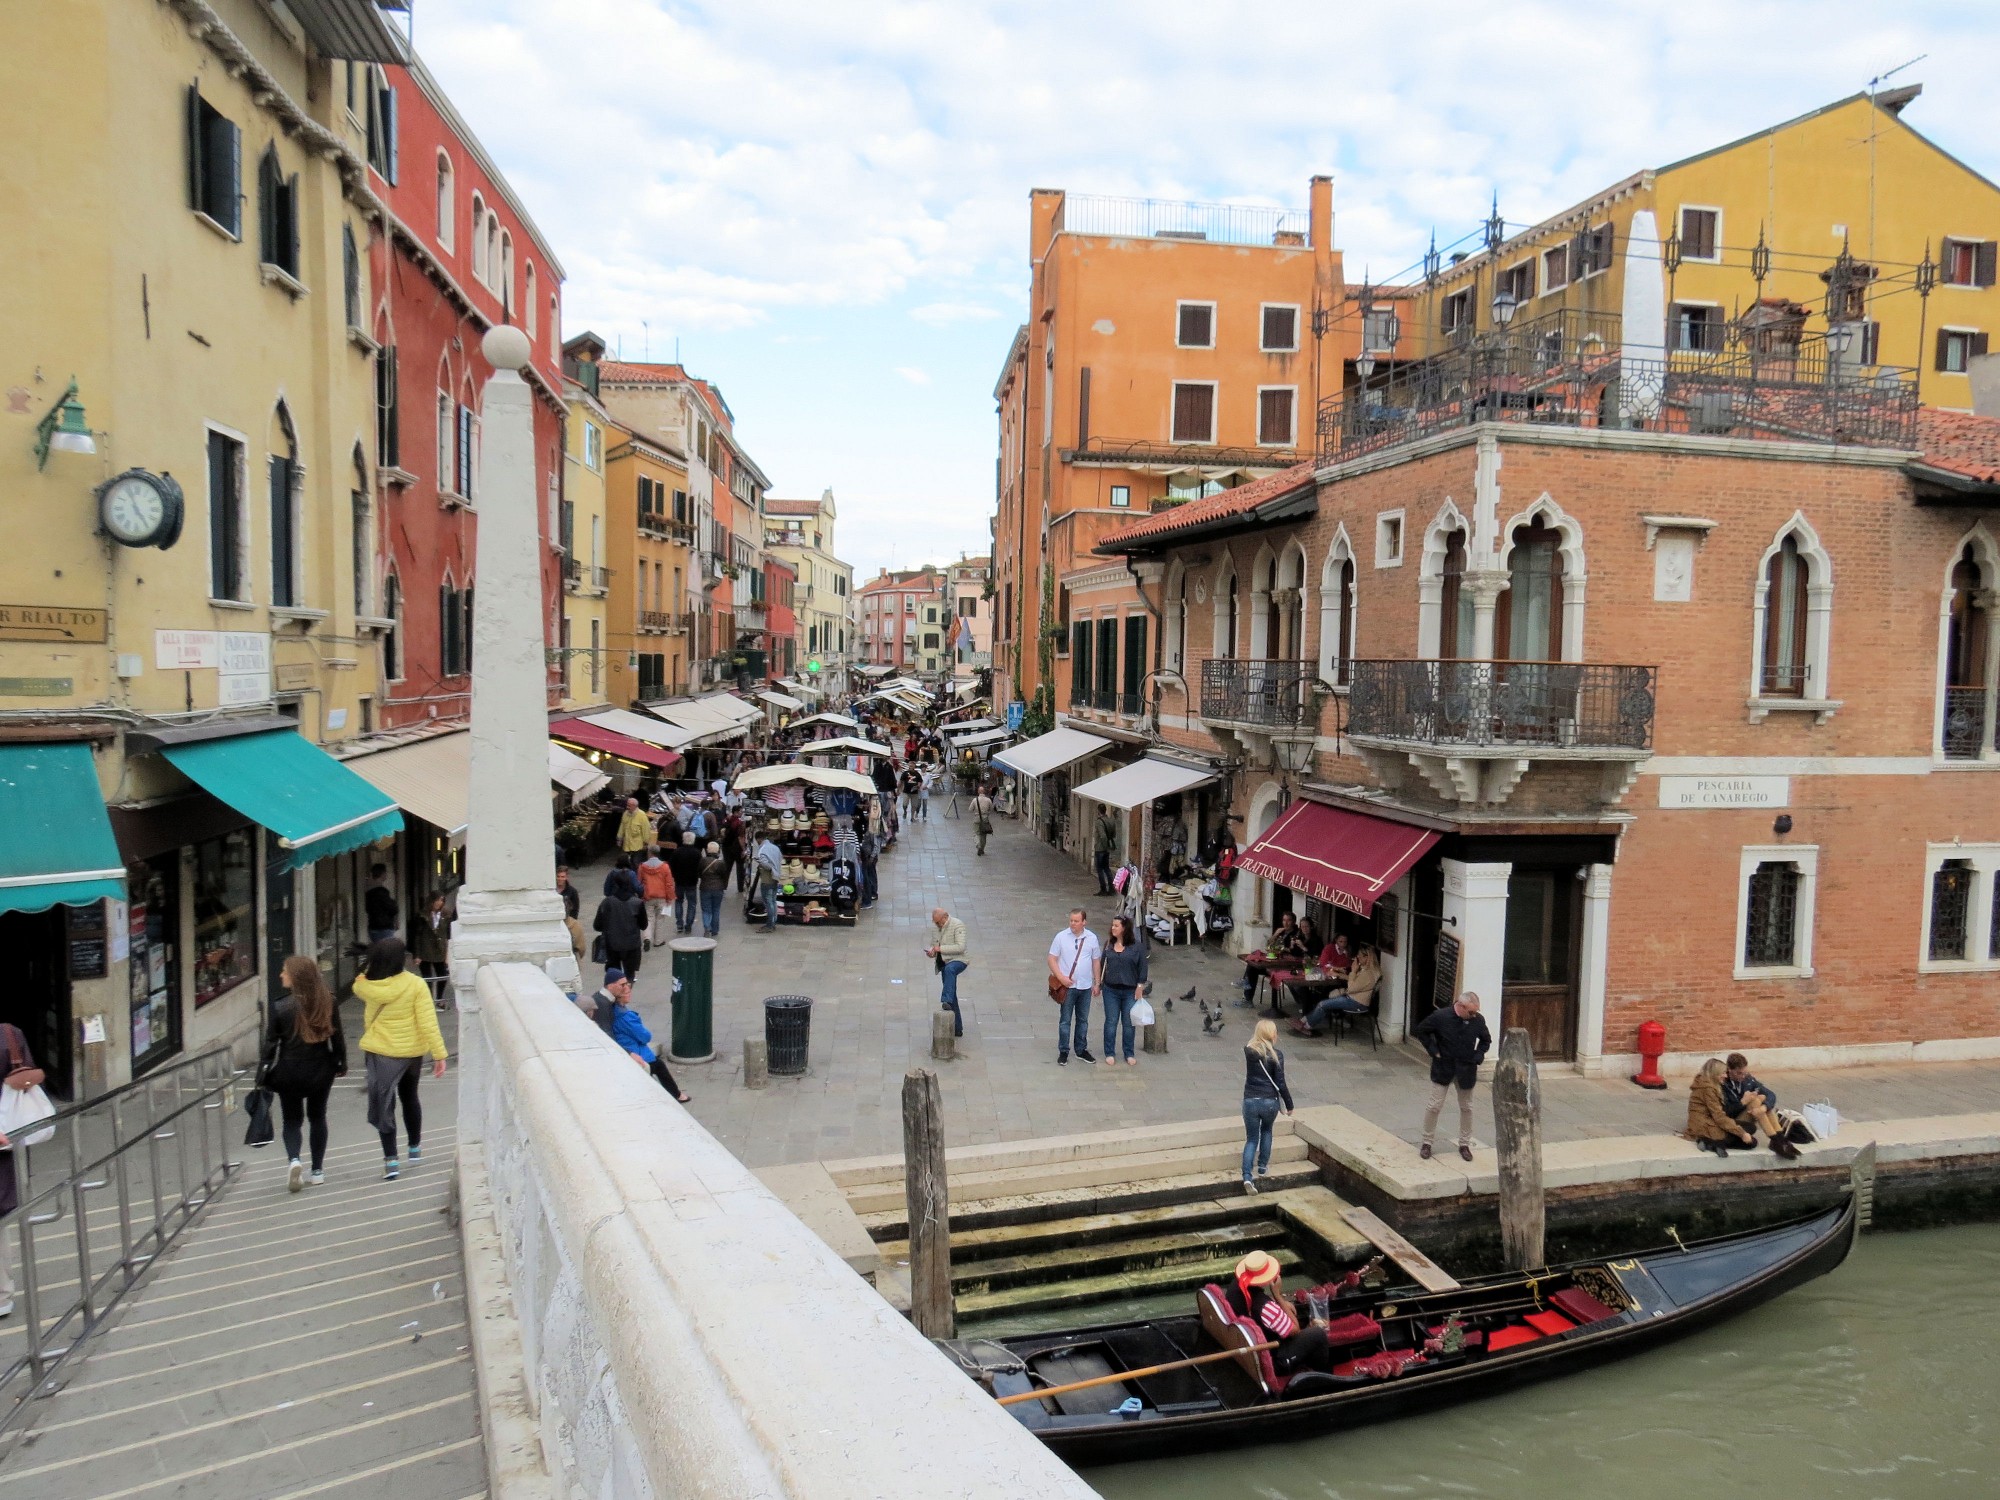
column 1083, row 407
column 1943, row 346
column 1977, row 347
column 1983, row 264
column 196, row 200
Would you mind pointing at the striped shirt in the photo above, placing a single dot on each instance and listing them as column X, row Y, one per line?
column 1277, row 1318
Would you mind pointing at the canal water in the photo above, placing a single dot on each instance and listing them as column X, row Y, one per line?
column 1879, row 1382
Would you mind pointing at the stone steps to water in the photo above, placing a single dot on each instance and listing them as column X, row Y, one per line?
column 878, row 1171
column 890, row 1221
column 1118, row 1257
column 1113, row 1287
column 1095, row 1229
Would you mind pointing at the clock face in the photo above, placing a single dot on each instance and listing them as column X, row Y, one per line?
column 134, row 509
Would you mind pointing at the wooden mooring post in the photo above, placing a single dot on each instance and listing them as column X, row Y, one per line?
column 1517, row 1131
column 926, row 1200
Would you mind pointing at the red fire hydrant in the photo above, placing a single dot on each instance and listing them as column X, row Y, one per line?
column 1652, row 1042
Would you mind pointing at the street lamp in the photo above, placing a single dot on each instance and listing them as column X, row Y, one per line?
column 63, row 429
column 1505, row 304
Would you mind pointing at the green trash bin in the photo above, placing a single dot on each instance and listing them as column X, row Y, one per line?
column 694, row 1000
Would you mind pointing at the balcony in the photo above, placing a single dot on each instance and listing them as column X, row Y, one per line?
column 655, row 622
column 1967, row 735
column 1473, row 731
column 1265, row 694
column 1573, row 369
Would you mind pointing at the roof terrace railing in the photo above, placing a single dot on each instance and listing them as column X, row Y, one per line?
column 1164, row 218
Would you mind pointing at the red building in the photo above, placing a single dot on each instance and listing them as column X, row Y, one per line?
column 459, row 255
column 781, row 628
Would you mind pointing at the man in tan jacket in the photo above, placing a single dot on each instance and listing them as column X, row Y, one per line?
column 949, row 951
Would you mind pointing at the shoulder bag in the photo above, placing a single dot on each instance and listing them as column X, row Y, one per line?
column 21, row 1109
column 1059, row 988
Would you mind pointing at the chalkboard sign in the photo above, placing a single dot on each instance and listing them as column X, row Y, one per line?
column 1445, row 990
column 87, row 942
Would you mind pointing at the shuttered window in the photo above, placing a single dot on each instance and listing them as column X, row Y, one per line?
column 1967, row 262
column 464, row 468
column 1194, row 412
column 1135, row 663
column 1274, row 418
column 388, row 439
column 1957, row 347
column 1079, row 665
column 1107, row 663
column 1196, row 325
column 214, row 163
column 350, row 276
column 1281, row 329
column 1785, row 609
column 1698, row 233
column 277, row 214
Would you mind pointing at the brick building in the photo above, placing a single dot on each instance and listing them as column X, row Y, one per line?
column 1607, row 722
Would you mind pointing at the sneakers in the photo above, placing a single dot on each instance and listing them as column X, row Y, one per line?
column 295, row 1178
column 416, row 1152
column 1249, row 1187
column 6, row 1307
column 1080, row 1052
column 316, row 1178
column 390, row 1171
column 1062, row 1059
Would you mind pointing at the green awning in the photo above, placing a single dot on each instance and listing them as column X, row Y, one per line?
column 313, row 803
column 55, row 837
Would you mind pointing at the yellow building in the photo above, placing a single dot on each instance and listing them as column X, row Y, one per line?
column 647, row 516
column 1750, row 234
column 800, row 533
column 186, row 458
column 585, row 538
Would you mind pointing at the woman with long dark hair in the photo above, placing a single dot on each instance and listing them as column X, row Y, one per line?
column 399, row 1029
column 304, row 1051
column 1125, row 974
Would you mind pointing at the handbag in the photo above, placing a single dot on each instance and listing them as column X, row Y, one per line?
column 20, row 1109
column 257, row 1105
column 1059, row 988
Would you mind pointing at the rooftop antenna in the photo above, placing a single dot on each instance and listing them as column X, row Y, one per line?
column 1874, row 130
column 646, row 341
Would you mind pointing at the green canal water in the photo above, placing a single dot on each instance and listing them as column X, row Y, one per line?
column 1879, row 1382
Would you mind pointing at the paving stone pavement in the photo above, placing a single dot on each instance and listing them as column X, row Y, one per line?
column 874, row 993
column 287, row 1346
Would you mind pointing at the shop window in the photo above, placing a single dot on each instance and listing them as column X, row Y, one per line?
column 153, row 933
column 225, row 914
column 1774, row 917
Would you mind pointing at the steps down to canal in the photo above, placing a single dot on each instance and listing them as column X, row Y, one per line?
column 1081, row 1229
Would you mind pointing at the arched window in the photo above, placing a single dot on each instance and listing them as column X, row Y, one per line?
column 1968, row 732
column 284, row 496
column 447, row 201
column 363, row 537
column 1792, row 619
column 447, row 471
column 555, row 322
column 1173, row 646
column 1285, row 633
column 1336, row 612
column 492, row 249
column 1528, row 625
column 1455, row 630
column 528, row 298
column 1223, row 607
column 392, row 638
column 350, row 276
column 506, row 287
column 478, row 236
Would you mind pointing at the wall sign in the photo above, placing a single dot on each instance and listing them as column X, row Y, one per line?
column 37, row 687
column 1725, row 791
column 1444, row 991
column 49, row 622
column 184, row 650
column 87, row 940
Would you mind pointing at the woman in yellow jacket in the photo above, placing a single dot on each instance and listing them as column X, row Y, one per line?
column 400, row 1029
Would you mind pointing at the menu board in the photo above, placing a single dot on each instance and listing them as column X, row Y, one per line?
column 88, row 942
column 1445, row 990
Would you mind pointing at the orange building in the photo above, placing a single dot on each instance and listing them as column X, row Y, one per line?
column 1172, row 351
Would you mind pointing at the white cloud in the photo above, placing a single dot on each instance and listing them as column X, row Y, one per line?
column 740, row 169
column 912, row 374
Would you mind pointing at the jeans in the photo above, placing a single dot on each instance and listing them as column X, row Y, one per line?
column 1100, row 862
column 1259, row 1115
column 1436, row 1107
column 871, row 885
column 1324, row 1011
column 948, row 993
column 711, row 912
column 1118, row 1000
column 767, row 892
column 684, row 909
column 1073, row 1023
column 377, row 934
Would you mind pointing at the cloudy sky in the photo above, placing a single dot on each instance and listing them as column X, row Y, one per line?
column 823, row 205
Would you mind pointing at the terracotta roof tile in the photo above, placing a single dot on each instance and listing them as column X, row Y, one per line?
column 1245, row 497
column 1960, row 443
column 790, row 507
column 618, row 370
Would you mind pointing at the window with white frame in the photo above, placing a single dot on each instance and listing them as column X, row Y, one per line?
column 1277, row 416
column 1555, row 269
column 1194, row 325
column 478, row 237
column 528, row 298
column 1967, row 718
column 447, row 202
column 1336, row 612
column 1776, row 889
column 1957, row 348
column 1701, row 232
column 446, row 429
column 1194, row 411
column 506, row 287
column 1966, row 262
column 1961, row 908
column 1389, row 539
column 1791, row 620
column 1278, row 328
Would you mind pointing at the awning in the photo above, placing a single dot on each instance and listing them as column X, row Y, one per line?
column 966, row 689
column 730, row 709
column 639, row 727
column 1346, row 859
column 825, row 776
column 429, row 779
column 1139, row 783
column 969, row 726
column 58, row 846
column 703, row 722
column 791, row 685
column 572, row 771
column 316, row 806
column 983, row 737
column 1050, row 752
column 596, row 737
column 843, row 720
column 845, row 744
column 780, row 700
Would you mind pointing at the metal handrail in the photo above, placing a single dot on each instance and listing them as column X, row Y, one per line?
column 189, row 1097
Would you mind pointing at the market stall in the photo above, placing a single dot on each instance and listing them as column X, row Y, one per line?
column 809, row 812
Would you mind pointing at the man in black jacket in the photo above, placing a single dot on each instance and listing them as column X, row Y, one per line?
column 1458, row 1041
column 684, row 860
column 622, row 920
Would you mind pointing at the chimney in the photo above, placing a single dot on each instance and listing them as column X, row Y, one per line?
column 1984, row 372
column 1045, row 219
column 1320, row 225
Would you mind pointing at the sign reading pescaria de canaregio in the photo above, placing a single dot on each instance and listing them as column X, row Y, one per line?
column 1725, row 791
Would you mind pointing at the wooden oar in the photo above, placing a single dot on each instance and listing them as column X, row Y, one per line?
column 1084, row 1385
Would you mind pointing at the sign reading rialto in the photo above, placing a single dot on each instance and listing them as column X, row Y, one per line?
column 1725, row 791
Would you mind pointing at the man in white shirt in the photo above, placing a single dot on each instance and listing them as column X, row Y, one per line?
column 1076, row 959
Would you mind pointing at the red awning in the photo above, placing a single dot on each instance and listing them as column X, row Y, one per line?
column 596, row 737
column 1346, row 859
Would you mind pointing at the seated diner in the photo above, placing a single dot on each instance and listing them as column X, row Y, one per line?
column 1355, row 998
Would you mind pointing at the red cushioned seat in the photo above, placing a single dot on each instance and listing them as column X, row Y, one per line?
column 1581, row 1306
column 1355, row 1328
column 1549, row 1322
column 1508, row 1338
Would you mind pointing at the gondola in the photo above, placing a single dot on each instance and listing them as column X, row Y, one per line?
column 1401, row 1350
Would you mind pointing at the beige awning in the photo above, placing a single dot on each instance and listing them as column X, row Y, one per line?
column 427, row 779
column 1052, row 751
column 1142, row 781
column 826, row 776
column 571, row 771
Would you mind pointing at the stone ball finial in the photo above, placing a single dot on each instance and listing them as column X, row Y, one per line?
column 506, row 347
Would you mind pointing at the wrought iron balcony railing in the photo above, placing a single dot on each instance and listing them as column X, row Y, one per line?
column 654, row 620
column 1575, row 370
column 573, row 570
column 1275, row 692
column 1559, row 704
column 1966, row 733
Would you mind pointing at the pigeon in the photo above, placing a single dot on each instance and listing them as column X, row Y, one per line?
column 1185, row 998
column 1211, row 1020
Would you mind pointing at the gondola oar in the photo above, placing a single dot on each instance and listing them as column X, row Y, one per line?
column 1082, row 1385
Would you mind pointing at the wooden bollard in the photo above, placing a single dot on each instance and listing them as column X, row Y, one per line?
column 927, row 1204
column 944, row 1045
column 756, row 1063
column 1517, row 1133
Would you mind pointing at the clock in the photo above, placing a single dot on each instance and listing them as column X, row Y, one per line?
column 138, row 509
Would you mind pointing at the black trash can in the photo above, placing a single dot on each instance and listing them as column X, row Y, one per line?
column 788, row 1032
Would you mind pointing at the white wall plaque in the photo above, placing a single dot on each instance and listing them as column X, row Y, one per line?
column 232, row 688
column 184, row 650
column 245, row 651
column 1725, row 791
column 1673, row 569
